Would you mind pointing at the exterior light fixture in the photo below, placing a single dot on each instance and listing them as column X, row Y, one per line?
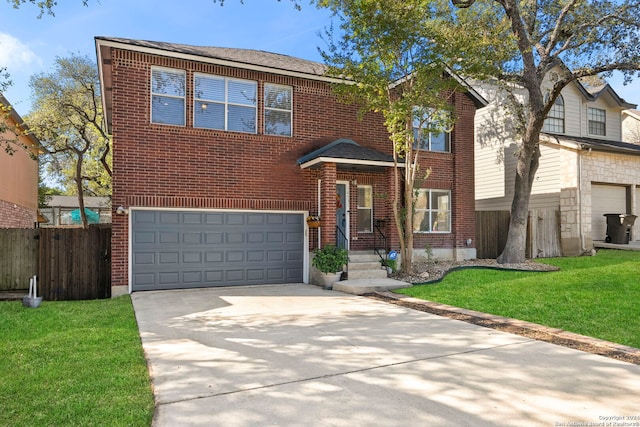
column 121, row 210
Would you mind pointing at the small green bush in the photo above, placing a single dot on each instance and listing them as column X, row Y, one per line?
column 330, row 259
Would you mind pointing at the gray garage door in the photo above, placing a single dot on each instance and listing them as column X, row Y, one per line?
column 192, row 249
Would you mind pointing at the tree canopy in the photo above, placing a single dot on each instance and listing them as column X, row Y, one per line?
column 67, row 120
column 537, row 46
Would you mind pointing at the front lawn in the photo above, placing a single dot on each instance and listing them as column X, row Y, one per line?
column 73, row 363
column 596, row 296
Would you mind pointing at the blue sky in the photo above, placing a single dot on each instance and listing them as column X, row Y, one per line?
column 29, row 45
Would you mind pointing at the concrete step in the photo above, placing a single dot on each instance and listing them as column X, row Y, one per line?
column 367, row 274
column 367, row 265
column 361, row 256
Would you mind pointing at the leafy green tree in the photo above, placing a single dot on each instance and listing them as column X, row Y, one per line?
column 67, row 120
column 557, row 43
column 44, row 6
column 392, row 59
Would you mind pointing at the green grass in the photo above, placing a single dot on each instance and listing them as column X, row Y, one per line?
column 73, row 363
column 596, row 296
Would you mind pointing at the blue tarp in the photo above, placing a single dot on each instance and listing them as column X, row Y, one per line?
column 92, row 217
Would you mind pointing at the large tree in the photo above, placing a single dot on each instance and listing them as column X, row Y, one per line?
column 392, row 61
column 558, row 42
column 67, row 120
column 535, row 46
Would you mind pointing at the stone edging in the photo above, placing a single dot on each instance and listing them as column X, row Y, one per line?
column 629, row 354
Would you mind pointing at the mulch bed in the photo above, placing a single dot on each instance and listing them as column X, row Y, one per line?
column 537, row 332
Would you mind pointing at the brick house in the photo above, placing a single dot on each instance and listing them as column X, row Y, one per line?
column 18, row 171
column 220, row 155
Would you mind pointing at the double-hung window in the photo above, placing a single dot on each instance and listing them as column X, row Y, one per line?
column 224, row 103
column 597, row 120
column 168, row 96
column 554, row 123
column 365, row 209
column 278, row 110
column 432, row 211
column 428, row 131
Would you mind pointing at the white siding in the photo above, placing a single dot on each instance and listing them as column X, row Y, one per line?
column 631, row 128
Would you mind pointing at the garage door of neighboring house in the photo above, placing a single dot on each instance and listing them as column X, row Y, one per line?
column 605, row 199
column 194, row 249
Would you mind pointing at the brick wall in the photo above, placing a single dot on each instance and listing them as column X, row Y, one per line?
column 14, row 216
column 171, row 166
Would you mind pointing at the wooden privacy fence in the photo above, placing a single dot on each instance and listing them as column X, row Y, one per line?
column 71, row 263
column 543, row 233
column 18, row 257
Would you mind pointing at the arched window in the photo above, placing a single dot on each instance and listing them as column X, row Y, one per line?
column 554, row 123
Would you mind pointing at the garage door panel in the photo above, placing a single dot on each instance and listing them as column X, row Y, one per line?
column 200, row 249
column 169, row 218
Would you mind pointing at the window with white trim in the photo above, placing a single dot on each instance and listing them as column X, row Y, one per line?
column 224, row 103
column 365, row 209
column 432, row 211
column 278, row 110
column 597, row 119
column 168, row 96
column 427, row 130
column 554, row 123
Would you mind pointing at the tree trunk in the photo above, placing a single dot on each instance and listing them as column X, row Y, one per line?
column 527, row 165
column 83, row 214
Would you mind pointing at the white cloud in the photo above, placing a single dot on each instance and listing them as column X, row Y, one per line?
column 16, row 55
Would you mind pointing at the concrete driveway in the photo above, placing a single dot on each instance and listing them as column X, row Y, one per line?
column 297, row 355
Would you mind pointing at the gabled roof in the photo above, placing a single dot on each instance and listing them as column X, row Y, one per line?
column 594, row 144
column 592, row 93
column 347, row 154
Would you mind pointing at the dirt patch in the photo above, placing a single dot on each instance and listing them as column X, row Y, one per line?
column 537, row 332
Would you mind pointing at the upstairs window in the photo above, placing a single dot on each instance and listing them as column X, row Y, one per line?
column 225, row 104
column 554, row 123
column 427, row 133
column 432, row 211
column 168, row 96
column 597, row 120
column 277, row 110
column 365, row 209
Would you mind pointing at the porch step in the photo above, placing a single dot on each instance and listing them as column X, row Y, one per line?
column 365, row 265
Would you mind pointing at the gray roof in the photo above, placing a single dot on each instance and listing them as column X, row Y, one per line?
column 347, row 154
column 238, row 56
column 602, row 145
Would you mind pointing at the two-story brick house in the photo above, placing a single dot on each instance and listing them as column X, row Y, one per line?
column 220, row 155
column 586, row 170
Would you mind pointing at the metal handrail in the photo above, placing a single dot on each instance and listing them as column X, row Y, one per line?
column 341, row 237
column 379, row 235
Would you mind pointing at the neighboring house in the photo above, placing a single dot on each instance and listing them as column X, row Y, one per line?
column 220, row 155
column 631, row 126
column 64, row 210
column 585, row 170
column 18, row 171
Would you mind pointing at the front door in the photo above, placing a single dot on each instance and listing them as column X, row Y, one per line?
column 342, row 213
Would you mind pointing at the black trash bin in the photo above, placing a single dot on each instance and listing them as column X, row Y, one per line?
column 619, row 228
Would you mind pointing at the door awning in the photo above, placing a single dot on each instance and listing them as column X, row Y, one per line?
column 347, row 155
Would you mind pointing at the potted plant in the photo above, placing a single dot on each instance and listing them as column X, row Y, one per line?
column 330, row 260
column 313, row 221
